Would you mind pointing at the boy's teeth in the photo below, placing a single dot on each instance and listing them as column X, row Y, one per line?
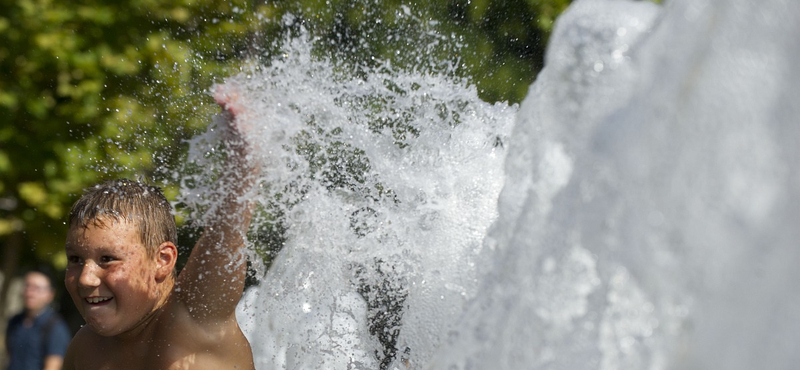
column 96, row 300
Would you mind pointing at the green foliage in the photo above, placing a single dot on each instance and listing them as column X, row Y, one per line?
column 99, row 89
column 497, row 44
column 506, row 41
column 96, row 89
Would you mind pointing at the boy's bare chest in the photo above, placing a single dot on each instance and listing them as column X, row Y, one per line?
column 161, row 358
column 175, row 353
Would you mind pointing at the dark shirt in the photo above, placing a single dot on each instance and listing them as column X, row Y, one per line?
column 26, row 346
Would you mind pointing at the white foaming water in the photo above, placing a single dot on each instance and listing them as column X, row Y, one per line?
column 647, row 220
column 649, row 216
column 385, row 186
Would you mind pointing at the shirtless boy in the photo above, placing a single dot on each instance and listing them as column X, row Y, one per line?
column 121, row 257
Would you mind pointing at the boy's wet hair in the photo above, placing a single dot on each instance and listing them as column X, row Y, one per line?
column 127, row 201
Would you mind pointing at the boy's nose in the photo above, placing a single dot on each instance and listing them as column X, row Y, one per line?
column 89, row 275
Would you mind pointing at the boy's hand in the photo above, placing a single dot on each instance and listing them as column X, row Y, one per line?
column 227, row 96
column 236, row 117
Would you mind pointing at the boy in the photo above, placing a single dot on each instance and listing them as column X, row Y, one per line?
column 121, row 253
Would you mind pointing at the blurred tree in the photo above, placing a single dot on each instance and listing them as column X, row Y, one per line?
column 98, row 89
column 95, row 89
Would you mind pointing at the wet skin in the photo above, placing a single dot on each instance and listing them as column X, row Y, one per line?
column 134, row 321
column 138, row 315
column 111, row 279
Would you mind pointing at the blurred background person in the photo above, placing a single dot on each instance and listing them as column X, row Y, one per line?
column 37, row 338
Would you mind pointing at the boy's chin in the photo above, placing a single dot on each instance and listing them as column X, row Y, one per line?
column 103, row 330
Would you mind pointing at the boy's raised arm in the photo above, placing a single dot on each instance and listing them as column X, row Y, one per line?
column 212, row 281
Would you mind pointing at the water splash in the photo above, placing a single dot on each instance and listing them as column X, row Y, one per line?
column 647, row 218
column 383, row 185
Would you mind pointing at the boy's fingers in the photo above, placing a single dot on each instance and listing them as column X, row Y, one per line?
column 227, row 97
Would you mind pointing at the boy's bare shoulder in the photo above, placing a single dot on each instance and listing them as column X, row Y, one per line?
column 83, row 345
column 84, row 338
column 190, row 344
column 173, row 341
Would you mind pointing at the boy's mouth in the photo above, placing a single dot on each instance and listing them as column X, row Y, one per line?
column 97, row 300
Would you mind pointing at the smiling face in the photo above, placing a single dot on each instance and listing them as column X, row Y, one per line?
column 114, row 283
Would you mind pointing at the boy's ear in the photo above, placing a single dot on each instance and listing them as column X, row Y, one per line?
column 166, row 257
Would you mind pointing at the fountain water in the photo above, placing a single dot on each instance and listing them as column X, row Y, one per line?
column 385, row 186
column 646, row 219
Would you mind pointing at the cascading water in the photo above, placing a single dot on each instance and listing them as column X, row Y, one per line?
column 647, row 218
column 384, row 186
